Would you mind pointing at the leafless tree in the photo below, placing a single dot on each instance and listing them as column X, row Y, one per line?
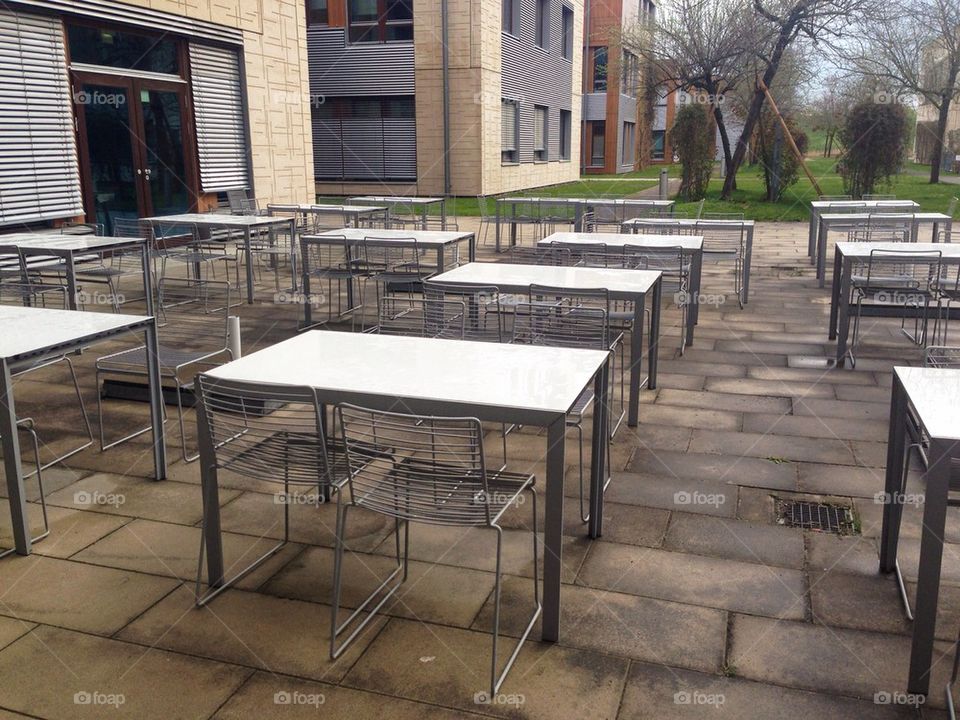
column 913, row 47
column 779, row 25
column 698, row 45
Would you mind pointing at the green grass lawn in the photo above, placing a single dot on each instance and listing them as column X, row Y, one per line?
column 747, row 199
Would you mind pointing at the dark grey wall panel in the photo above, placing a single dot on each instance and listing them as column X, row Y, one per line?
column 537, row 76
column 365, row 149
column 339, row 70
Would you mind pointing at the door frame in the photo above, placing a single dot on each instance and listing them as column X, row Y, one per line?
column 132, row 85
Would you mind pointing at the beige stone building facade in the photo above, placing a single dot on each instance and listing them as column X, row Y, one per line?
column 154, row 107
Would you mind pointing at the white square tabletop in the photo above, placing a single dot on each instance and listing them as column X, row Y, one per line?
column 687, row 242
column 934, row 394
column 515, row 278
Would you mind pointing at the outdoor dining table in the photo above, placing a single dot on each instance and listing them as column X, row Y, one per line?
column 702, row 227
column 506, row 209
column 501, row 383
column 392, row 201
column 625, row 285
column 31, row 335
column 877, row 221
column 444, row 242
column 819, row 206
column 844, row 255
column 70, row 249
column 245, row 223
column 929, row 395
column 690, row 246
column 354, row 214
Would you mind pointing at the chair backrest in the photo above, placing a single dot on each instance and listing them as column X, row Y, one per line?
column 420, row 317
column 539, row 255
column 392, row 254
column 484, row 314
column 322, row 219
column 941, row 356
column 898, row 270
column 889, row 227
column 238, row 201
column 169, row 234
column 267, row 432
column 129, row 227
column 193, row 314
column 665, row 259
column 656, row 226
column 699, row 209
column 485, row 206
column 561, row 325
column 332, row 254
column 723, row 239
column 721, row 216
column 952, row 207
column 434, row 472
column 72, row 228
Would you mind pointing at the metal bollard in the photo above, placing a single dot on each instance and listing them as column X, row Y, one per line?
column 233, row 336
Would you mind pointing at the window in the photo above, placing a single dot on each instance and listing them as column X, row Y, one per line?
column 509, row 126
column 540, row 129
column 345, row 108
column 629, row 138
column 657, row 150
column 566, row 127
column 543, row 23
column 630, row 76
column 123, row 49
column 317, row 12
column 567, row 33
column 511, row 16
column 597, row 140
column 380, row 20
column 599, row 68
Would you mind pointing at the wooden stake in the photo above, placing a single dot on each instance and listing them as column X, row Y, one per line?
column 790, row 140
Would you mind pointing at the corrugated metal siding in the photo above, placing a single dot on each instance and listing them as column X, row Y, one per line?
column 143, row 17
column 595, row 106
column 535, row 76
column 220, row 118
column 365, row 149
column 39, row 172
column 339, row 70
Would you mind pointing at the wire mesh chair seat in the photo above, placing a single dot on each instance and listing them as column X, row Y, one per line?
column 573, row 327
column 272, row 434
column 436, row 475
column 191, row 331
column 905, row 278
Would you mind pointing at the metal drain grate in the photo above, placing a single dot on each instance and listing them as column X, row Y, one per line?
column 836, row 519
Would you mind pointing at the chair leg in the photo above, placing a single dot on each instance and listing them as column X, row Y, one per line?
column 28, row 428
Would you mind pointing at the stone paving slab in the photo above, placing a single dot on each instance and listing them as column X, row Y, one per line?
column 736, row 540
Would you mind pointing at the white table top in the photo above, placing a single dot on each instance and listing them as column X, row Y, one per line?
column 933, row 392
column 893, row 217
column 541, row 379
column 323, row 207
column 507, row 276
column 219, row 219
column 862, row 249
column 29, row 331
column 819, row 204
column 397, row 199
column 634, row 202
column 66, row 243
column 687, row 242
column 423, row 237
column 690, row 222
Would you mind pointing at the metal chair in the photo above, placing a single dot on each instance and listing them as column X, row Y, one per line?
column 554, row 214
column 661, row 226
column 271, row 434
column 899, row 278
column 947, row 286
column 488, row 217
column 393, row 264
column 674, row 268
column 435, row 475
column 420, row 317
column 330, row 262
column 26, row 425
column 572, row 327
column 727, row 245
column 538, row 255
column 241, row 204
column 105, row 271
column 192, row 331
column 483, row 309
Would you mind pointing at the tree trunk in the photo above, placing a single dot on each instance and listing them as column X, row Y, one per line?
column 937, row 158
column 756, row 105
column 724, row 139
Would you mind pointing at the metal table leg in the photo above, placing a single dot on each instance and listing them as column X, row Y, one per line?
column 653, row 339
column 598, row 450
column 696, row 275
column 747, row 262
column 248, row 252
column 636, row 362
column 896, row 444
column 156, row 403
column 843, row 308
column 835, row 294
column 10, row 443
column 553, row 530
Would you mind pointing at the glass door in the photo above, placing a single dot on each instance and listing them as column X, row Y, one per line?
column 134, row 148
